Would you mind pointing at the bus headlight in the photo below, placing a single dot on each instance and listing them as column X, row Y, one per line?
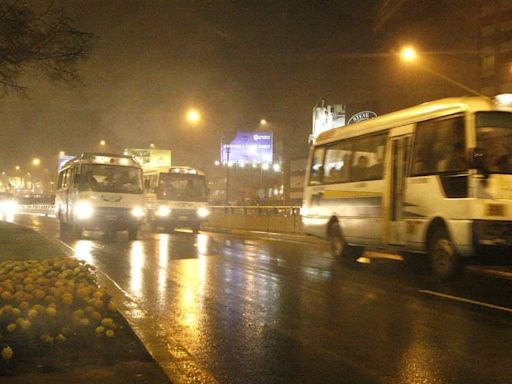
column 203, row 212
column 83, row 210
column 138, row 212
column 9, row 207
column 163, row 211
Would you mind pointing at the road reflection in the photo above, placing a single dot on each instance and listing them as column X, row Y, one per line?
column 137, row 261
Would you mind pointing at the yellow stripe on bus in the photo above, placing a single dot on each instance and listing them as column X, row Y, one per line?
column 349, row 194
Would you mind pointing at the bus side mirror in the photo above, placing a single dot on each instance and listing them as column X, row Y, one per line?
column 478, row 160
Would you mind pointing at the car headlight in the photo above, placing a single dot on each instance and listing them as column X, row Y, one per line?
column 10, row 206
column 203, row 212
column 138, row 212
column 163, row 210
column 83, row 210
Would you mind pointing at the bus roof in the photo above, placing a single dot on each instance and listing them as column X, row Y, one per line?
column 425, row 111
column 102, row 158
column 184, row 170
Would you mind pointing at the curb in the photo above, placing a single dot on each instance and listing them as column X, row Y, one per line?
column 175, row 361
column 286, row 236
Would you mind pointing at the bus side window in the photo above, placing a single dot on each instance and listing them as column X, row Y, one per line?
column 337, row 162
column 439, row 146
column 368, row 159
column 317, row 170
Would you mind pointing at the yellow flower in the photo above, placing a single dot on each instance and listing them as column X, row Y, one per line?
column 32, row 313
column 99, row 330
column 11, row 327
column 67, row 298
column 107, row 322
column 60, row 338
column 84, row 322
column 7, row 353
column 6, row 296
column 79, row 313
column 25, row 324
column 111, row 306
column 110, row 333
column 51, row 311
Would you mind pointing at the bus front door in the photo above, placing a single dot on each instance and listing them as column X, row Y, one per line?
column 399, row 160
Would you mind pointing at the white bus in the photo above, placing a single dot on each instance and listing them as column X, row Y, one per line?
column 100, row 191
column 176, row 197
column 432, row 182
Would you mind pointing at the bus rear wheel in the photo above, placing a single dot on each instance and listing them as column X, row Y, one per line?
column 339, row 248
column 445, row 261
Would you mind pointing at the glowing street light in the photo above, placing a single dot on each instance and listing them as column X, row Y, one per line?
column 263, row 122
column 62, row 153
column 103, row 143
column 152, row 145
column 276, row 167
column 408, row 54
column 36, row 162
column 193, row 116
column 17, row 168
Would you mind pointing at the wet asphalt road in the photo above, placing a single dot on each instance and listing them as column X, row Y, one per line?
column 263, row 311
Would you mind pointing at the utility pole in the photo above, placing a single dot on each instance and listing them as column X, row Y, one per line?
column 228, row 149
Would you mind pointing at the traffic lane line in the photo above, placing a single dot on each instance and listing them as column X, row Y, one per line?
column 465, row 300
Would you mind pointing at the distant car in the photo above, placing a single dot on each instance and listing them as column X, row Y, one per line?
column 8, row 204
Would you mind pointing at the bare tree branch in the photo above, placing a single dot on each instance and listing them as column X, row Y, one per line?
column 46, row 41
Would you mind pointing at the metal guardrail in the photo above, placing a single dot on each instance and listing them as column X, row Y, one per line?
column 261, row 210
column 37, row 208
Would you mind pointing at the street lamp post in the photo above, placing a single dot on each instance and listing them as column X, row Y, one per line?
column 408, row 54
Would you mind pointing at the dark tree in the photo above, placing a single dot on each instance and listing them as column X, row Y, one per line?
column 42, row 40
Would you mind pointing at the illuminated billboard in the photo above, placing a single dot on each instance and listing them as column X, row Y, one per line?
column 248, row 147
column 150, row 157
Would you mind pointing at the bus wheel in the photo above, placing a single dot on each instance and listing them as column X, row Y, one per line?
column 133, row 233
column 339, row 248
column 446, row 263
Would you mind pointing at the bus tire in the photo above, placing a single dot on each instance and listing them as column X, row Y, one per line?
column 340, row 250
column 133, row 233
column 445, row 262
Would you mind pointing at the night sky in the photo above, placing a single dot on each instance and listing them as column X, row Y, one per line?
column 236, row 62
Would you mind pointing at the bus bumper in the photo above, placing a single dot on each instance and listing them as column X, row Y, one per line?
column 492, row 241
column 113, row 219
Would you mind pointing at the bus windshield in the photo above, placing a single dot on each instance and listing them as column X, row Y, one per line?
column 494, row 137
column 181, row 187
column 110, row 178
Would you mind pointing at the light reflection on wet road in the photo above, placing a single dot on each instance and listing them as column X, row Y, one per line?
column 259, row 311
